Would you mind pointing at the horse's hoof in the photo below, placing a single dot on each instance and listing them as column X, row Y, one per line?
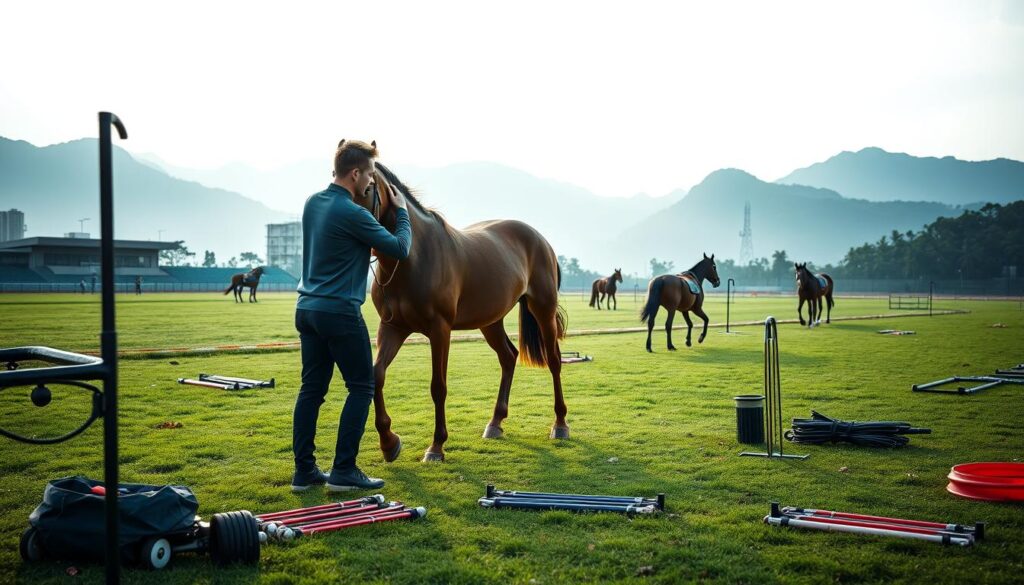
column 493, row 432
column 431, row 457
column 671, row 348
column 649, row 350
column 701, row 340
column 688, row 344
column 558, row 432
column 393, row 453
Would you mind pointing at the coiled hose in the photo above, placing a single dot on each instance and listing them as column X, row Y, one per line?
column 822, row 429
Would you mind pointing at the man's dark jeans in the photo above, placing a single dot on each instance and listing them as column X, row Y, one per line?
column 330, row 339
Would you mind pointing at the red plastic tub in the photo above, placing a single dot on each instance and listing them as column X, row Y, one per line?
column 993, row 482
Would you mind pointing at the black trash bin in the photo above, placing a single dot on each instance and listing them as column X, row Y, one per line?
column 750, row 419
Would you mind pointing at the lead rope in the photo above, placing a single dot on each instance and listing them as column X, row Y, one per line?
column 383, row 290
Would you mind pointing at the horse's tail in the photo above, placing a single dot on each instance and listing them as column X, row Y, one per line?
column 230, row 288
column 593, row 293
column 531, row 346
column 831, row 290
column 653, row 300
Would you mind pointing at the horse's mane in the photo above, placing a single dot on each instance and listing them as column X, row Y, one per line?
column 394, row 180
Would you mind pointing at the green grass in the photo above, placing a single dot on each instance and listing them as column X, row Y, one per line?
column 641, row 423
column 209, row 319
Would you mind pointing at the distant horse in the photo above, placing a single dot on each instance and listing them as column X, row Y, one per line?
column 810, row 288
column 249, row 279
column 681, row 292
column 464, row 279
column 605, row 286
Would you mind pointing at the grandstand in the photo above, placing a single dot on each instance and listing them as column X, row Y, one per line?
column 61, row 264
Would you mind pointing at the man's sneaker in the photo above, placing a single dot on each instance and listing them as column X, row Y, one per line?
column 305, row 480
column 353, row 479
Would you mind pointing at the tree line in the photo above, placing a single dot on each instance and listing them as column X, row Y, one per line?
column 984, row 243
column 182, row 256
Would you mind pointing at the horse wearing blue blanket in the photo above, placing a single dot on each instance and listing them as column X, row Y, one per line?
column 683, row 292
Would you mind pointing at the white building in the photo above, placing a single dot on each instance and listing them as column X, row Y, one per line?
column 12, row 225
column 284, row 246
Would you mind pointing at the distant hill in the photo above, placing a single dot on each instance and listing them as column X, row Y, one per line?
column 877, row 175
column 58, row 185
column 808, row 222
column 572, row 218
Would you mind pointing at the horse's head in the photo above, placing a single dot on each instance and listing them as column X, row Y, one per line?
column 800, row 269
column 711, row 270
column 380, row 196
column 258, row 271
column 618, row 275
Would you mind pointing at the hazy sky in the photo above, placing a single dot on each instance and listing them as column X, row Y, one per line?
column 617, row 97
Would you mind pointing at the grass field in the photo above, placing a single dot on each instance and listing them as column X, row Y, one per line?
column 641, row 423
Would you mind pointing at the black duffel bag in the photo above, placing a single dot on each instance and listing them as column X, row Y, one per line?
column 71, row 522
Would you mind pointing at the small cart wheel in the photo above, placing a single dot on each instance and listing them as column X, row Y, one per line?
column 29, row 546
column 155, row 553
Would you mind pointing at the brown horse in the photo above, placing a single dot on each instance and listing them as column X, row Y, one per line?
column 249, row 279
column 464, row 279
column 673, row 291
column 811, row 287
column 605, row 286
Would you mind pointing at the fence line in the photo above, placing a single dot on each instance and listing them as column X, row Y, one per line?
column 1005, row 288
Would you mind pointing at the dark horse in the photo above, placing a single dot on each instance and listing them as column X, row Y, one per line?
column 673, row 291
column 464, row 279
column 249, row 279
column 811, row 287
column 605, row 286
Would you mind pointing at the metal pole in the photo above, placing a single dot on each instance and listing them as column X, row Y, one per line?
column 108, row 343
column 931, row 294
column 728, row 301
column 772, row 396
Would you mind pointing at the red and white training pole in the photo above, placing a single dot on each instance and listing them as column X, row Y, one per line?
column 880, row 525
column 273, row 527
column 340, row 524
column 865, row 528
column 864, row 517
column 829, row 520
column 378, row 498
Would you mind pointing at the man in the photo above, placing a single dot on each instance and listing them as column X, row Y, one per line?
column 337, row 234
column 92, row 284
column 138, row 285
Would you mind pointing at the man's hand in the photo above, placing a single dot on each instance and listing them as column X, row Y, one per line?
column 396, row 198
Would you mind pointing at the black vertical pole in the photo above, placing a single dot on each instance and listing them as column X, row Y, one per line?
column 728, row 301
column 108, row 344
column 931, row 294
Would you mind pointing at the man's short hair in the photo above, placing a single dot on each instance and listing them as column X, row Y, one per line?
column 353, row 154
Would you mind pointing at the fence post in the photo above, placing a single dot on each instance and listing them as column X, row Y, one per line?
column 931, row 294
column 728, row 301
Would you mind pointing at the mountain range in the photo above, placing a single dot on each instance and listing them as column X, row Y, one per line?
column 57, row 185
column 877, row 175
column 816, row 213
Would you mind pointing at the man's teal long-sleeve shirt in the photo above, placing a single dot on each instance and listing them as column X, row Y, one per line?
column 337, row 235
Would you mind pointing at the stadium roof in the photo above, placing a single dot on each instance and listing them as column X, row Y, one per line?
column 26, row 243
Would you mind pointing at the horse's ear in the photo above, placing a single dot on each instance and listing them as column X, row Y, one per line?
column 705, row 255
column 712, row 256
column 796, row 265
column 373, row 143
column 341, row 142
